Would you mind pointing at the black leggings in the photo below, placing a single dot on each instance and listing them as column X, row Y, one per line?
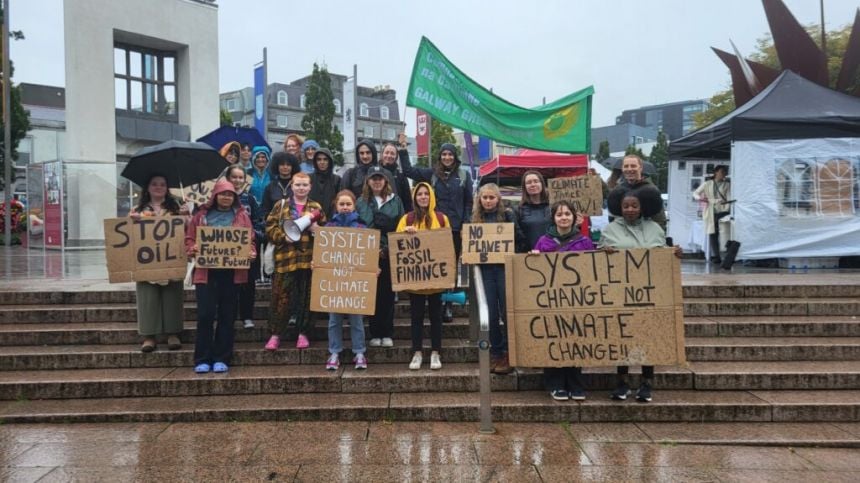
column 416, row 308
column 647, row 371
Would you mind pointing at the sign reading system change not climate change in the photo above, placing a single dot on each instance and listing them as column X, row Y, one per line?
column 595, row 309
column 346, row 263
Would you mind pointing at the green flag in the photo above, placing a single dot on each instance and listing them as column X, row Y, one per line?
column 441, row 89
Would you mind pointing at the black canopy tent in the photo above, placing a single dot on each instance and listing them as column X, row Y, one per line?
column 791, row 107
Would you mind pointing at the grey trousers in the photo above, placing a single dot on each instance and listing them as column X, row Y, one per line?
column 159, row 308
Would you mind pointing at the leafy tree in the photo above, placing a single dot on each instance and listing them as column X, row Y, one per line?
column 632, row 149
column 20, row 117
column 319, row 114
column 660, row 159
column 603, row 151
column 723, row 102
column 226, row 118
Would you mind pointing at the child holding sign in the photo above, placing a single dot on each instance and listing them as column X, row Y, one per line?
column 634, row 229
column 291, row 282
column 424, row 217
column 488, row 208
column 216, row 289
column 345, row 216
column 563, row 235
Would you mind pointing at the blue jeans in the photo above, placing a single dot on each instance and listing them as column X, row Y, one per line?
column 494, row 287
column 335, row 333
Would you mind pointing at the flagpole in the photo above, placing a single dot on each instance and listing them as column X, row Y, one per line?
column 265, row 97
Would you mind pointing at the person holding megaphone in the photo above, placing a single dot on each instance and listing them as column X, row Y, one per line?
column 289, row 227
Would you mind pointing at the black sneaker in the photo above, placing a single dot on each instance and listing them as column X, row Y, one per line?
column 559, row 395
column 577, row 394
column 643, row 394
column 620, row 393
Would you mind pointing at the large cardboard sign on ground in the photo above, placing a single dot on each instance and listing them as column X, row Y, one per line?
column 145, row 250
column 422, row 261
column 595, row 309
column 346, row 261
column 487, row 242
column 585, row 192
column 223, row 247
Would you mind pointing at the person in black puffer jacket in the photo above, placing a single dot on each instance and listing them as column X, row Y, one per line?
column 365, row 158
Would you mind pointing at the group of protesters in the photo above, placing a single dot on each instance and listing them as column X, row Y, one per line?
column 260, row 190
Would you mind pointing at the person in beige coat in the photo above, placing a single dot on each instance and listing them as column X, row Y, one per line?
column 715, row 195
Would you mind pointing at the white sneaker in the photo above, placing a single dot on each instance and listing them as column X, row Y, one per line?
column 435, row 363
column 375, row 342
column 387, row 342
column 249, row 324
column 416, row 361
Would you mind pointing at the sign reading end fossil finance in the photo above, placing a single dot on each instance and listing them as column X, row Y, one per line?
column 487, row 242
column 423, row 261
column 585, row 192
column 595, row 309
column 223, row 247
column 346, row 261
column 146, row 250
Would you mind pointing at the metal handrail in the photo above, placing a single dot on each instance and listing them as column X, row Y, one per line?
column 486, row 409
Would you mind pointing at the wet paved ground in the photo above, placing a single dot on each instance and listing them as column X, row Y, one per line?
column 400, row 451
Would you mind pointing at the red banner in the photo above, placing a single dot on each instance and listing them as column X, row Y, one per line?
column 422, row 135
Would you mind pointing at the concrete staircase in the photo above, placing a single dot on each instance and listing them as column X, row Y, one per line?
column 756, row 353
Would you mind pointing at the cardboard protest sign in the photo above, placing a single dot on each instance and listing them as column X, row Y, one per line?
column 223, row 247
column 346, row 261
column 585, row 192
column 595, row 309
column 487, row 242
column 201, row 192
column 145, row 250
column 422, row 261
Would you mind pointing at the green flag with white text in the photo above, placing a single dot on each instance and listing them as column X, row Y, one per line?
column 441, row 89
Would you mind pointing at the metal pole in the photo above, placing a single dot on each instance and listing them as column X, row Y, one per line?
column 486, row 408
column 355, row 105
column 823, row 35
column 7, row 128
column 265, row 98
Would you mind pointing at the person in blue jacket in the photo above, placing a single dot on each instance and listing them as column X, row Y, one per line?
column 259, row 172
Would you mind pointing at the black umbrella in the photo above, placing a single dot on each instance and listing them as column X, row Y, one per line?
column 183, row 163
column 648, row 169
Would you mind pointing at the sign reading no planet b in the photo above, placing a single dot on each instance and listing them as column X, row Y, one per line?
column 487, row 242
column 346, row 262
column 422, row 261
column 439, row 88
column 223, row 247
column 146, row 250
column 595, row 309
column 584, row 192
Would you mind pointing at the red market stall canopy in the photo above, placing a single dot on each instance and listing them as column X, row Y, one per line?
column 551, row 165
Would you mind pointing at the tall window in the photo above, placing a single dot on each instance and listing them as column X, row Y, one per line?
column 368, row 131
column 383, row 112
column 363, row 110
column 282, row 98
column 337, row 106
column 282, row 120
column 145, row 81
column 302, row 101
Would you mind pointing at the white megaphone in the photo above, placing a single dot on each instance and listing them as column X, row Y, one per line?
column 294, row 228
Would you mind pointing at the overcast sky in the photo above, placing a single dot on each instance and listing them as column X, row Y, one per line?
column 634, row 52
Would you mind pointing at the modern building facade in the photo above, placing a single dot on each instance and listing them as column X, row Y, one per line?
column 675, row 118
column 620, row 136
column 379, row 118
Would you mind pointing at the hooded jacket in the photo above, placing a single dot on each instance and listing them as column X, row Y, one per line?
column 453, row 187
column 308, row 165
column 353, row 179
column 642, row 233
column 259, row 180
column 383, row 217
column 324, row 184
column 573, row 241
column 240, row 219
column 278, row 188
column 225, row 149
column 421, row 224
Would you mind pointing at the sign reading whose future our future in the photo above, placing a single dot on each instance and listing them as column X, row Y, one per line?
column 421, row 261
column 145, row 250
column 223, row 247
column 346, row 263
column 595, row 309
column 487, row 242
column 584, row 192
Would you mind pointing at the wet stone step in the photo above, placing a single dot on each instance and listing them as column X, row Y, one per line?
column 126, row 332
column 784, row 375
column 771, row 307
column 773, row 348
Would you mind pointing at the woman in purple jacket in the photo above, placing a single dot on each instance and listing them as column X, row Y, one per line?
column 563, row 235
